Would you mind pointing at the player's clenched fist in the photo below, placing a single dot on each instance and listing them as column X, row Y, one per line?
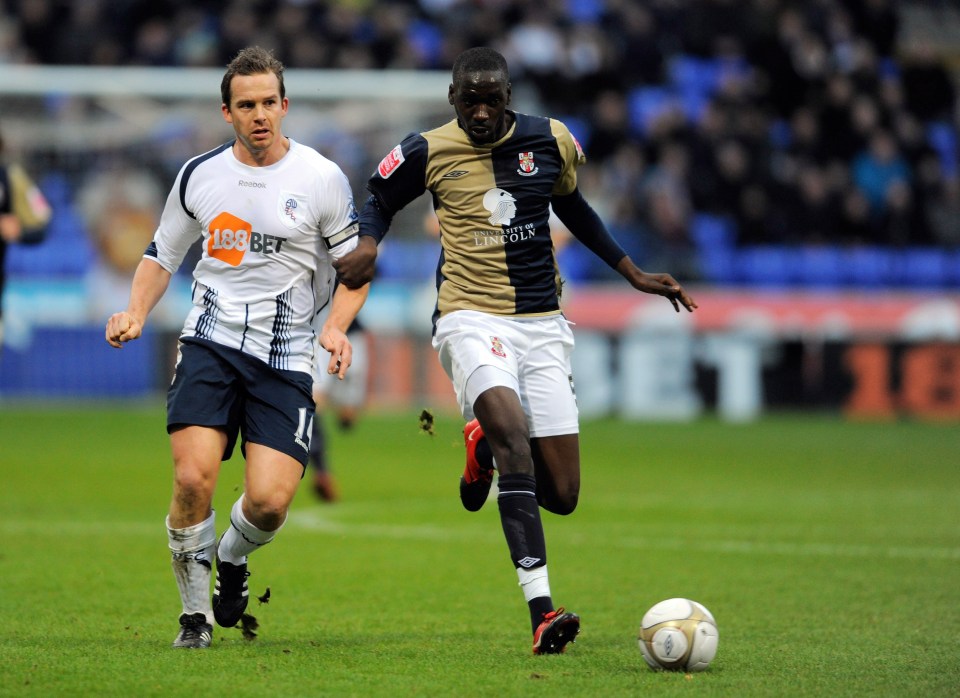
column 122, row 327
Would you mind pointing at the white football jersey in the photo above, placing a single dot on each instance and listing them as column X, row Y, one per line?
column 269, row 236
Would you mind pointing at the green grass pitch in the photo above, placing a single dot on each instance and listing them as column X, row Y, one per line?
column 828, row 552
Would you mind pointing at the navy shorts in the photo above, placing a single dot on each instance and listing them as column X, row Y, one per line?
column 216, row 386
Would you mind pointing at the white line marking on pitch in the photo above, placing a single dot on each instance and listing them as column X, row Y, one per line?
column 314, row 521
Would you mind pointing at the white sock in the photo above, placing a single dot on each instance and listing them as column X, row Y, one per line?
column 242, row 538
column 192, row 551
column 535, row 582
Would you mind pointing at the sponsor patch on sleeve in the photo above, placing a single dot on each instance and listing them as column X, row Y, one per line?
column 391, row 162
column 580, row 154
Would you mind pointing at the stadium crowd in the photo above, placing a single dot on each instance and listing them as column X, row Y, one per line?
column 708, row 124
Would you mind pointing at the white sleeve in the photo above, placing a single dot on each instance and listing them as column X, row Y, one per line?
column 176, row 232
column 338, row 215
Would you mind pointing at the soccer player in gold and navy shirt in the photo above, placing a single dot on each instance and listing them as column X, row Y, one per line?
column 498, row 328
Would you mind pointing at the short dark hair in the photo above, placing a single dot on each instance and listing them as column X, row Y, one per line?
column 252, row 60
column 478, row 59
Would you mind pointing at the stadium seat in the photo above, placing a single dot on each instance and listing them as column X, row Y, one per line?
column 820, row 266
column 869, row 267
column 579, row 127
column 923, row 267
column 646, row 104
column 767, row 265
column 710, row 232
column 585, row 10
column 695, row 75
column 718, row 265
column 408, row 260
column 66, row 250
column 427, row 40
column 943, row 139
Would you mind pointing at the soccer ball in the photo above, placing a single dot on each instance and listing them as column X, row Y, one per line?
column 679, row 635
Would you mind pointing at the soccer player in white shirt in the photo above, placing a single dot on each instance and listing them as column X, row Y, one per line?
column 272, row 215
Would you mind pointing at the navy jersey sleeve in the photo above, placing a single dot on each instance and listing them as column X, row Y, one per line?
column 401, row 175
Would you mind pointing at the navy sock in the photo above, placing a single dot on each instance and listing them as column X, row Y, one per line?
column 318, row 444
column 520, row 518
column 539, row 607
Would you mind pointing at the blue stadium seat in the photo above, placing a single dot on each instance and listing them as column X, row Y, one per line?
column 821, row 266
column 718, row 265
column 869, row 267
column 408, row 260
column 710, row 232
column 943, row 138
column 66, row 249
column 579, row 127
column 427, row 40
column 646, row 104
column 767, row 265
column 923, row 267
column 693, row 74
column 585, row 10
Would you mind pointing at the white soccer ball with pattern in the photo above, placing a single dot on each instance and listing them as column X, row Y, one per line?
column 679, row 635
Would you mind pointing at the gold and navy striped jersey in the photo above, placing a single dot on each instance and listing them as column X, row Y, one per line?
column 493, row 204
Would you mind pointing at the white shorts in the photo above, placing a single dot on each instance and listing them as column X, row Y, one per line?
column 531, row 356
column 352, row 390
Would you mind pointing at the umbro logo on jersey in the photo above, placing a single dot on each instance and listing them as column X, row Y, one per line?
column 455, row 174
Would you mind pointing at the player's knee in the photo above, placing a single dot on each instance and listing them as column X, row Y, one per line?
column 193, row 486
column 563, row 505
column 266, row 513
column 561, row 501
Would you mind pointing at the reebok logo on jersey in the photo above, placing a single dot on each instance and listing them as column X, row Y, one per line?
column 390, row 163
column 231, row 238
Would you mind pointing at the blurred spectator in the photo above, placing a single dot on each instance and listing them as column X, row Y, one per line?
column 930, row 89
column 944, row 214
column 119, row 207
column 878, row 168
column 24, row 213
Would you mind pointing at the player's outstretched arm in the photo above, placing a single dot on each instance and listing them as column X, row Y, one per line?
column 150, row 282
column 661, row 284
column 333, row 335
column 357, row 267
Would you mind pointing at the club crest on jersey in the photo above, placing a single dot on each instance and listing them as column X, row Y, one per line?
column 496, row 347
column 391, row 162
column 292, row 209
column 528, row 167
